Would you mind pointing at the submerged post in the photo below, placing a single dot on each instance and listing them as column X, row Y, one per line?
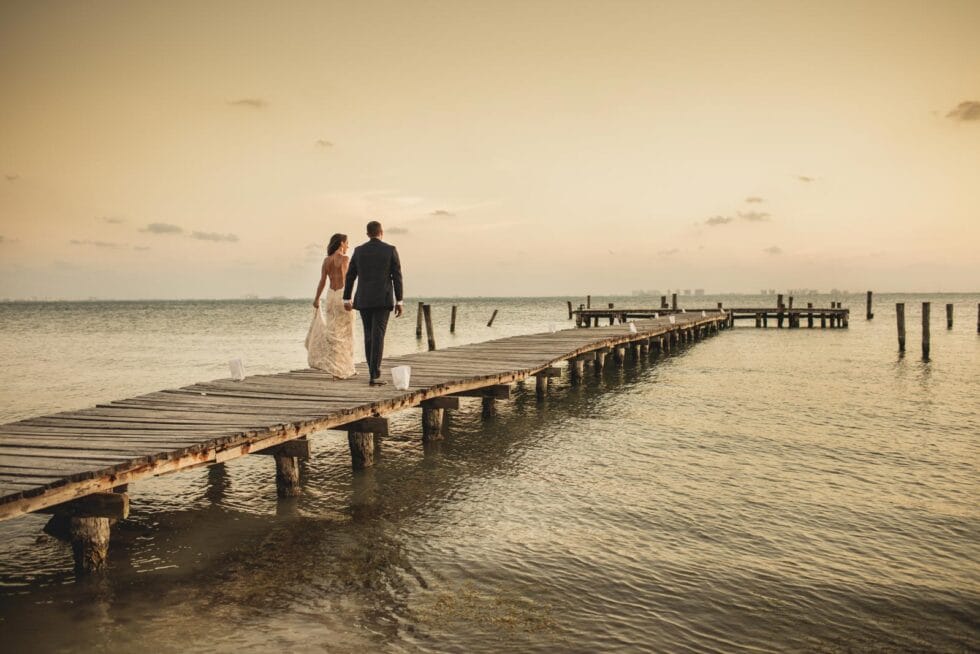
column 429, row 332
column 287, row 476
column 925, row 330
column 452, row 320
column 949, row 316
column 89, row 543
column 870, row 313
column 900, row 319
column 492, row 318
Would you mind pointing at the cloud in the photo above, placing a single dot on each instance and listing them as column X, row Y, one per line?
column 667, row 253
column 323, row 143
column 754, row 198
column 113, row 220
column 753, row 216
column 964, row 111
column 442, row 213
column 141, row 248
column 396, row 230
column 775, row 249
column 162, row 228
column 804, row 178
column 251, row 103
column 718, row 220
column 214, row 236
column 1, row 239
column 12, row 178
column 98, row 244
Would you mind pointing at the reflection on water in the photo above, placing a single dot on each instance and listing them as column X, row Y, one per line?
column 760, row 490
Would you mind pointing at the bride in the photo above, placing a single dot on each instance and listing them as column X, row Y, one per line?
column 331, row 343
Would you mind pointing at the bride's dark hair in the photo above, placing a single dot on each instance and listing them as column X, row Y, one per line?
column 335, row 242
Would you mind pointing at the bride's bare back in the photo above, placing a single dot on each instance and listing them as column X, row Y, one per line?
column 334, row 269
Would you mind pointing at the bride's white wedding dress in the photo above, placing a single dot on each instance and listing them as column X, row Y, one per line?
column 330, row 342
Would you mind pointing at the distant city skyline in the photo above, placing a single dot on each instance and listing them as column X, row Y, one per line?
column 209, row 150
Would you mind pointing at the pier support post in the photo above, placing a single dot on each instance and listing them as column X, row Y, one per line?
column 89, row 543
column 869, row 314
column 588, row 301
column 600, row 362
column 489, row 408
column 665, row 344
column 758, row 320
column 765, row 320
column 576, row 368
column 361, row 449
column 673, row 301
column 287, row 475
column 809, row 315
column 569, row 309
column 900, row 319
column 619, row 355
column 823, row 320
column 949, row 316
column 926, row 306
column 431, row 424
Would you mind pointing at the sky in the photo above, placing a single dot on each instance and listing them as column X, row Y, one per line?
column 210, row 149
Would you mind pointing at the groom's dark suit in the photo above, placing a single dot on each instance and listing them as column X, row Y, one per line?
column 378, row 272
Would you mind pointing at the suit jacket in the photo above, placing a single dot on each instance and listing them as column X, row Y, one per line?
column 378, row 272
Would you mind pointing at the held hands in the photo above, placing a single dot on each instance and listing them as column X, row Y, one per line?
column 348, row 305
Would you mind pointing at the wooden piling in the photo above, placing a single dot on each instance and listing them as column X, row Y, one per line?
column 89, row 543
column 492, row 318
column 569, row 309
column 429, row 331
column 418, row 322
column 432, row 419
column 673, row 301
column 663, row 301
column 619, row 355
column 600, row 362
column 869, row 313
column 758, row 320
column 361, row 449
column 790, row 306
column 452, row 319
column 588, row 301
column 900, row 320
column 949, row 316
column 287, row 475
column 925, row 329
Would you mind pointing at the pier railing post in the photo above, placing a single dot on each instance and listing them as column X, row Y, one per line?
column 900, row 320
column 925, row 329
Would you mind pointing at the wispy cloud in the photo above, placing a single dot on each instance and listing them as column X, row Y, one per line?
column 753, row 216
column 98, row 244
column 141, row 248
column 964, row 111
column 323, row 143
column 442, row 213
column 754, row 198
column 396, row 230
column 12, row 178
column 113, row 220
column 714, row 221
column 774, row 249
column 214, row 236
column 251, row 103
column 668, row 253
column 804, row 178
column 162, row 228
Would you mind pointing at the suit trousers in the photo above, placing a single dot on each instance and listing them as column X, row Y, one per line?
column 375, row 322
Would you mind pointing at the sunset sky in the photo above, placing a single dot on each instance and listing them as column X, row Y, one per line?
column 210, row 149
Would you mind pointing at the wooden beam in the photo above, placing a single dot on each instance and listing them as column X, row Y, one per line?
column 96, row 505
column 445, row 402
column 497, row 391
column 374, row 425
column 299, row 448
column 549, row 372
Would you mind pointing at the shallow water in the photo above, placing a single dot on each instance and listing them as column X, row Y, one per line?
column 762, row 490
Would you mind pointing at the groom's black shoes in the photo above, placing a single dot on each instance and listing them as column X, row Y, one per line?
column 377, row 382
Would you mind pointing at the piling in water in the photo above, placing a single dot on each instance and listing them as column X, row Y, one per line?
column 418, row 322
column 569, row 309
column 949, row 316
column 673, row 301
column 490, row 324
column 900, row 319
column 925, row 330
column 452, row 320
column 870, row 313
column 429, row 332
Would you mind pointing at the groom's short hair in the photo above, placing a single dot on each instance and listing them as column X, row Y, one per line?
column 374, row 228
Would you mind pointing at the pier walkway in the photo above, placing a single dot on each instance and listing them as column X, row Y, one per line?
column 77, row 465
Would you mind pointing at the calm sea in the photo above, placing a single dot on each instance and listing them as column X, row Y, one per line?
column 762, row 490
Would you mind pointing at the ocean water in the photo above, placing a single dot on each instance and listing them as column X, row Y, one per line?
column 759, row 491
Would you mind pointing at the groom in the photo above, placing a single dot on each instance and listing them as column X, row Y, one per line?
column 376, row 264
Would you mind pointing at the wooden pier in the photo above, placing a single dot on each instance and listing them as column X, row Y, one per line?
column 781, row 316
column 79, row 465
